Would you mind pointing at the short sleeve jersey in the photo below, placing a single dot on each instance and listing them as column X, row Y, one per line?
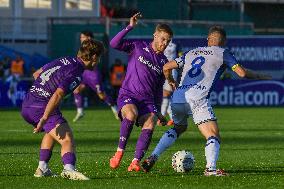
column 201, row 67
column 64, row 73
column 144, row 77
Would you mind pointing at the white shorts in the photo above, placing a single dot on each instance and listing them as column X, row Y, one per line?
column 167, row 86
column 201, row 111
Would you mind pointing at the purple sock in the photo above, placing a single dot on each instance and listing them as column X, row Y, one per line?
column 69, row 158
column 125, row 130
column 143, row 143
column 109, row 100
column 45, row 155
column 78, row 100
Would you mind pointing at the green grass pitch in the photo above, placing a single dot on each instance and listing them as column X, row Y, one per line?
column 252, row 151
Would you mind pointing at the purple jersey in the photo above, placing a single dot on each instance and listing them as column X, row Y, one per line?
column 64, row 73
column 92, row 78
column 144, row 78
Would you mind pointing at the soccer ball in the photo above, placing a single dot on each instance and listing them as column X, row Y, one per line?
column 182, row 161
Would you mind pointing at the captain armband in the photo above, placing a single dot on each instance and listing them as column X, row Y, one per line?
column 235, row 66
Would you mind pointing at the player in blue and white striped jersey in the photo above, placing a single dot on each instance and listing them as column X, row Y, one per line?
column 201, row 67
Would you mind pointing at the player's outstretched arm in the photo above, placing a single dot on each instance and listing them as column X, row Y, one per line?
column 50, row 107
column 167, row 69
column 117, row 41
column 249, row 74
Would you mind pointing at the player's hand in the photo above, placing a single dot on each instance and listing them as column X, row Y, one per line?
column 134, row 19
column 173, row 84
column 162, row 119
column 39, row 125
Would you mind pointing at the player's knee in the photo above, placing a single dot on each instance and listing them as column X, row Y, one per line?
column 67, row 140
column 149, row 125
column 131, row 115
column 180, row 129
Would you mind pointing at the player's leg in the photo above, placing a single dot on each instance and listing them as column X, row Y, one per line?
column 79, row 102
column 166, row 107
column 129, row 115
column 204, row 117
column 62, row 133
column 181, row 112
column 211, row 133
column 32, row 115
column 170, row 113
column 148, row 122
column 44, row 156
column 109, row 101
column 165, row 102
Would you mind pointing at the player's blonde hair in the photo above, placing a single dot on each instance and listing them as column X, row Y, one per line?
column 89, row 48
column 165, row 28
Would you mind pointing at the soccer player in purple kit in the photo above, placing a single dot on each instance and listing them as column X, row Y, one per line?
column 91, row 78
column 141, row 93
column 41, row 106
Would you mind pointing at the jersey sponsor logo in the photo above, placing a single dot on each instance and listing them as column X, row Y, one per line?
column 193, row 86
column 40, row 91
column 149, row 64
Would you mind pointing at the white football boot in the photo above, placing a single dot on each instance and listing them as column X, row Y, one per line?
column 73, row 175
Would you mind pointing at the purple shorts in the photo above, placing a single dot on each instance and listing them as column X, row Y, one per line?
column 144, row 106
column 93, row 80
column 32, row 112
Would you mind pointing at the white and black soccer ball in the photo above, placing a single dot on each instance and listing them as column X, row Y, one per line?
column 182, row 161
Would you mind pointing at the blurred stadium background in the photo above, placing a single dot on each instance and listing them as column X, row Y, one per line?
column 40, row 30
